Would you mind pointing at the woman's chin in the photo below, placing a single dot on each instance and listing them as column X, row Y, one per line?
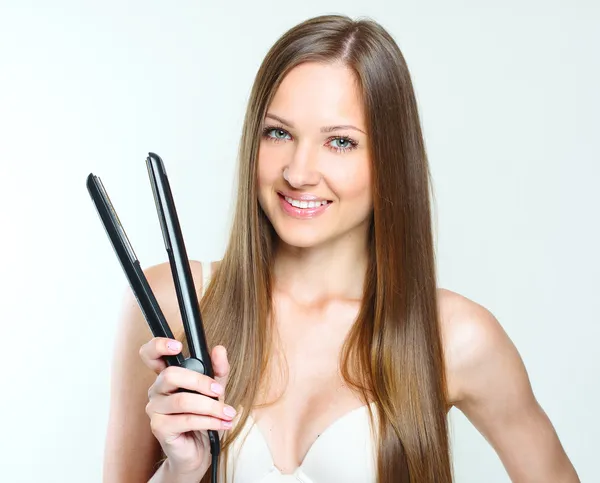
column 301, row 240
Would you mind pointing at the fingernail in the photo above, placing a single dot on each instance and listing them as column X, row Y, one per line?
column 227, row 424
column 229, row 411
column 217, row 388
column 174, row 345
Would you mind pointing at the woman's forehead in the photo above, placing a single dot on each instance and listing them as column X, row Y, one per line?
column 319, row 92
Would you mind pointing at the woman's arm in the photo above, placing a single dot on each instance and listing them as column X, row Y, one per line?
column 131, row 451
column 491, row 387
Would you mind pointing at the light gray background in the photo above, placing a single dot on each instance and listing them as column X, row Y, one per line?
column 508, row 94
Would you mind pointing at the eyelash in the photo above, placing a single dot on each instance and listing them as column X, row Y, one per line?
column 267, row 129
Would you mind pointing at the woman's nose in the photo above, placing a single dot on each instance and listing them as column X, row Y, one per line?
column 303, row 168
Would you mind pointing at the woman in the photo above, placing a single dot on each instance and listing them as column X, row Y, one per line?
column 324, row 315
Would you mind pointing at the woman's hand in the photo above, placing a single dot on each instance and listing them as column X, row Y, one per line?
column 180, row 420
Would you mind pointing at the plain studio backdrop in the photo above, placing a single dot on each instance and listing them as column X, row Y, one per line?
column 509, row 102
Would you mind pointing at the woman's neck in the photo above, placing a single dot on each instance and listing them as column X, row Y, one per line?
column 330, row 271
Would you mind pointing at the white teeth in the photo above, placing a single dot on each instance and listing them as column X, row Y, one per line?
column 304, row 204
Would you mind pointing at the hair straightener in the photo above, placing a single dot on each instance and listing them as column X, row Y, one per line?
column 199, row 359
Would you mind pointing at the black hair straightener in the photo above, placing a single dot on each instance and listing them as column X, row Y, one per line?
column 199, row 359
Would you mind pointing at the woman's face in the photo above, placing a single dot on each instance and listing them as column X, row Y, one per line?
column 313, row 150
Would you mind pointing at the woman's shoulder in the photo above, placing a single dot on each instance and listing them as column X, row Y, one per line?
column 471, row 335
column 160, row 279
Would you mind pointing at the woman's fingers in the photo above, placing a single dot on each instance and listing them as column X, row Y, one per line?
column 153, row 351
column 169, row 427
column 189, row 403
column 174, row 377
column 220, row 365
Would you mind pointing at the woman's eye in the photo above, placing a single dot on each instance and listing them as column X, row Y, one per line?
column 343, row 144
column 277, row 133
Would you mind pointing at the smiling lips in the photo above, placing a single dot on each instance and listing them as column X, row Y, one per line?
column 303, row 208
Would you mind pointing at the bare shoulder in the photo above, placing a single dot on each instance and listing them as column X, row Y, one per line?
column 161, row 282
column 471, row 335
column 489, row 384
column 160, row 277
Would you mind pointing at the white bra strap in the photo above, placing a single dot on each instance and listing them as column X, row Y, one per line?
column 206, row 273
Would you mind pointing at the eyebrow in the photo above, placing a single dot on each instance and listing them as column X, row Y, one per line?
column 323, row 129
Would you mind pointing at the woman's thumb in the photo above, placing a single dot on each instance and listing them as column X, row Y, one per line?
column 220, row 364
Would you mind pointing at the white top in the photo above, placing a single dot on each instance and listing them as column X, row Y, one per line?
column 343, row 452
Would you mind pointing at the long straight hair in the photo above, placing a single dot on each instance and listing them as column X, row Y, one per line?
column 393, row 352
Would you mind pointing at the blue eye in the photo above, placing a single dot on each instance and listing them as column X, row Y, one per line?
column 279, row 134
column 344, row 144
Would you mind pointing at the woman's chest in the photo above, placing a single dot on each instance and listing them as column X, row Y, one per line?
column 305, row 386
